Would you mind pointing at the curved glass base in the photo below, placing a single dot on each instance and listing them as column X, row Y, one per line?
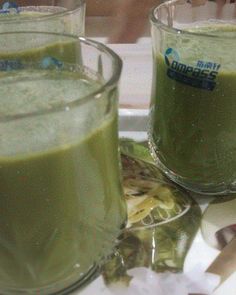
column 61, row 288
column 72, row 283
column 205, row 189
column 81, row 283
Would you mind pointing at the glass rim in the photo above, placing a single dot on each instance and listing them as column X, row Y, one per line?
column 108, row 84
column 158, row 23
column 45, row 17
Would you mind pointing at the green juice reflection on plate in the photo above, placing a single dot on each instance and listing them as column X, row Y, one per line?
column 193, row 109
column 61, row 202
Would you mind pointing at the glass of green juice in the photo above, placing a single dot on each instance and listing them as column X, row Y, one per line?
column 62, row 16
column 61, row 200
column 192, row 132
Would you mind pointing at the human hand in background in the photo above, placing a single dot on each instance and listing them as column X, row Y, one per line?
column 132, row 16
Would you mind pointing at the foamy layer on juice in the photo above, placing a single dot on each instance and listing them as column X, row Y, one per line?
column 37, row 18
column 29, row 12
column 39, row 93
column 212, row 42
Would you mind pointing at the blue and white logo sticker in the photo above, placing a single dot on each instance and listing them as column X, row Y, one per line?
column 46, row 63
column 203, row 75
column 49, row 62
column 10, row 65
column 9, row 7
column 170, row 56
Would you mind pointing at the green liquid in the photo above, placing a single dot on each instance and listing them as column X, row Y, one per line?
column 193, row 129
column 60, row 194
column 44, row 19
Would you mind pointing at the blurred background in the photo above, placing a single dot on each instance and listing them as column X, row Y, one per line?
column 121, row 21
column 124, row 25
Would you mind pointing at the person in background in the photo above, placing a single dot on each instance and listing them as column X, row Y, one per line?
column 132, row 15
column 133, row 18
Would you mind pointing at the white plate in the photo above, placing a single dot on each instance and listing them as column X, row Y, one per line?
column 133, row 124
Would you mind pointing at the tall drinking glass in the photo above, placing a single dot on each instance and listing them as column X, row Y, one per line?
column 62, row 16
column 192, row 113
column 61, row 201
